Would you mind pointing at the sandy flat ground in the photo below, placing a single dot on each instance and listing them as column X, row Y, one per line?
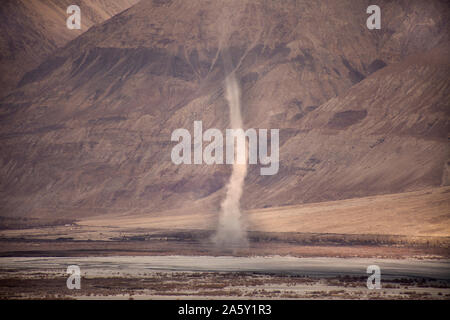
column 323, row 267
column 414, row 224
column 418, row 213
column 194, row 277
column 310, row 251
column 424, row 213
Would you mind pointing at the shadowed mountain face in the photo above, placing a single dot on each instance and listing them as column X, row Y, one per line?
column 32, row 30
column 360, row 112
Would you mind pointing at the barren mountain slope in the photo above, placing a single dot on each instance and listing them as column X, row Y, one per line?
column 387, row 134
column 88, row 131
column 33, row 29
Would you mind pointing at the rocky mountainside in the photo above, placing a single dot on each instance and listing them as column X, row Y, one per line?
column 32, row 30
column 360, row 112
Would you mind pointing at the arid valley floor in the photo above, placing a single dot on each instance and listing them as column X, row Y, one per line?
column 302, row 252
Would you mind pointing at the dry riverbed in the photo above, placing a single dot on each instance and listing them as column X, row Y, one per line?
column 189, row 277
